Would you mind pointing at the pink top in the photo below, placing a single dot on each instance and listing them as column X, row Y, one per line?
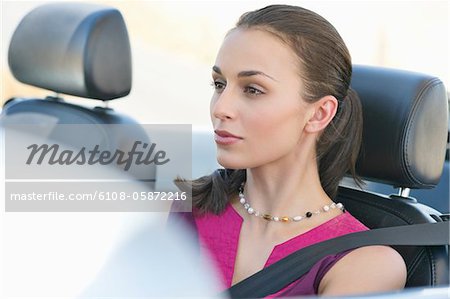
column 219, row 234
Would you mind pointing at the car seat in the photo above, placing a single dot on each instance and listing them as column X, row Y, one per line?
column 404, row 143
column 78, row 49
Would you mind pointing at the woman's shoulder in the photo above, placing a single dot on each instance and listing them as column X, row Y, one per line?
column 369, row 268
column 347, row 223
column 337, row 226
column 366, row 269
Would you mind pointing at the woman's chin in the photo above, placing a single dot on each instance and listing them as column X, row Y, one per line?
column 230, row 163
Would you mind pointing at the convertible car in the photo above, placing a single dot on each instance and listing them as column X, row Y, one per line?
column 83, row 250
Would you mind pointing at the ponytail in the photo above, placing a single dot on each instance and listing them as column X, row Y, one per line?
column 211, row 193
column 338, row 146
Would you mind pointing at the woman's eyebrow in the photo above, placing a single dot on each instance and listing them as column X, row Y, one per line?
column 217, row 69
column 244, row 73
column 254, row 73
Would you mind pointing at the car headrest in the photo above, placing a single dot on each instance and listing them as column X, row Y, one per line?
column 405, row 126
column 78, row 49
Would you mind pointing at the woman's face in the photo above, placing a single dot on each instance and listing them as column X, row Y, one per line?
column 257, row 111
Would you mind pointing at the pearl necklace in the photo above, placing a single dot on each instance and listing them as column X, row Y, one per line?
column 297, row 218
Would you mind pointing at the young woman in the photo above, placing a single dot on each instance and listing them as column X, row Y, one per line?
column 287, row 129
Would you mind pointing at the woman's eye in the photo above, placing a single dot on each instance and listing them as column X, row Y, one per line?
column 253, row 91
column 218, row 86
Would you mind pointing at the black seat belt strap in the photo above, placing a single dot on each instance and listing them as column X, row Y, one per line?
column 278, row 275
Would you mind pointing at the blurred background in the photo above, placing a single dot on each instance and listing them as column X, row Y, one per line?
column 174, row 44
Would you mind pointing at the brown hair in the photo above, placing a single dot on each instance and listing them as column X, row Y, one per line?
column 325, row 69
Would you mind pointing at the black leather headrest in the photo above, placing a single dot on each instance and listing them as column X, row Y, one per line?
column 73, row 48
column 405, row 126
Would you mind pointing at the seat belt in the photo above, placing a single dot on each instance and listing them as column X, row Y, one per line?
column 290, row 268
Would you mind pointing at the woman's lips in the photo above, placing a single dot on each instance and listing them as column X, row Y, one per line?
column 225, row 138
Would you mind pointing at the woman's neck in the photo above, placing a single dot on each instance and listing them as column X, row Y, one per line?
column 286, row 188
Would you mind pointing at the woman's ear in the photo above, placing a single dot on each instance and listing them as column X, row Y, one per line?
column 323, row 112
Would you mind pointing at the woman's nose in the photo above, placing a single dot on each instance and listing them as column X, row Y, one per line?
column 223, row 105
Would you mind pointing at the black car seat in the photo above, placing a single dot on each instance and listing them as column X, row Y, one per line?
column 404, row 144
column 437, row 198
column 78, row 49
